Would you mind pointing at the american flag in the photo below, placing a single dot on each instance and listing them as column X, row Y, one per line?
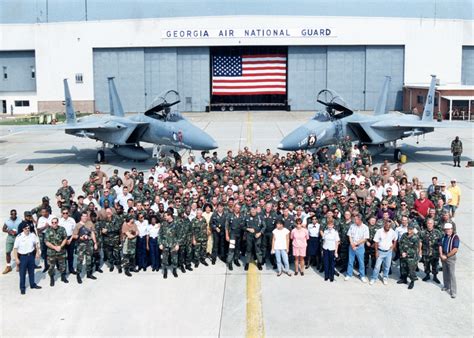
column 249, row 74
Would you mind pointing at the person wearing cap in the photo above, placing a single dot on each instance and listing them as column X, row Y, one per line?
column 409, row 247
column 10, row 227
column 28, row 221
column 114, row 178
column 455, row 192
column 25, row 249
column 448, row 248
column 456, row 150
column 44, row 205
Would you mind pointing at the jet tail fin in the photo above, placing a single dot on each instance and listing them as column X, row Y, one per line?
column 70, row 114
column 381, row 107
column 114, row 100
column 429, row 104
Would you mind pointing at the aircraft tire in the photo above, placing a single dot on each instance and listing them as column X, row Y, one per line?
column 100, row 156
column 397, row 155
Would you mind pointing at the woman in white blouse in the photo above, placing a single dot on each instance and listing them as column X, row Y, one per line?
column 280, row 247
column 330, row 246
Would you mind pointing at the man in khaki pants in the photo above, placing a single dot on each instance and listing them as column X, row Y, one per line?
column 448, row 248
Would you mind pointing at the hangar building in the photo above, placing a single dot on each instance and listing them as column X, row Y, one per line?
column 228, row 54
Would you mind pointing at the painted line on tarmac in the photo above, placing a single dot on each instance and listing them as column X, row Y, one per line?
column 15, row 133
column 254, row 293
column 249, row 129
column 254, row 304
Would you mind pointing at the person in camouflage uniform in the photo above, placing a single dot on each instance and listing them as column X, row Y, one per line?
column 55, row 238
column 99, row 241
column 110, row 230
column 168, row 238
column 65, row 195
column 84, row 235
column 185, row 234
column 199, row 230
column 409, row 247
column 129, row 235
column 429, row 240
column 456, row 150
column 255, row 228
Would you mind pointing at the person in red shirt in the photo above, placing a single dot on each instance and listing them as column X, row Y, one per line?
column 422, row 205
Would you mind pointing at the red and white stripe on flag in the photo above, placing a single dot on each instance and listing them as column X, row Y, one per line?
column 255, row 75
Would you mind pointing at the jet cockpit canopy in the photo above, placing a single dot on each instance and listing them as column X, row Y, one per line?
column 336, row 107
column 160, row 108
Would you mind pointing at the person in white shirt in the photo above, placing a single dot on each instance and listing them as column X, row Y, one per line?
column 391, row 185
column 161, row 168
column 152, row 244
column 331, row 242
column 25, row 249
column 143, row 229
column 314, row 251
column 358, row 233
column 68, row 223
column 280, row 247
column 43, row 223
column 123, row 198
column 91, row 199
column 190, row 165
column 379, row 189
column 385, row 240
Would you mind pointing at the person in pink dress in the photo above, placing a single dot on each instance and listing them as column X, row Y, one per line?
column 300, row 236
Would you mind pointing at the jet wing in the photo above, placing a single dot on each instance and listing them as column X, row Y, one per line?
column 384, row 125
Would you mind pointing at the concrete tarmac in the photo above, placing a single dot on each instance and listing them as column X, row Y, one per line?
column 212, row 301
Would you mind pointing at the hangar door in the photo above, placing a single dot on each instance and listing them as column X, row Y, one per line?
column 127, row 66
column 141, row 74
column 355, row 72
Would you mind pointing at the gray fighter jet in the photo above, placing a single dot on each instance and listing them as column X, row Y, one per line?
column 123, row 134
column 377, row 131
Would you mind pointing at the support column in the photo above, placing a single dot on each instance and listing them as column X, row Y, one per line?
column 450, row 110
column 469, row 110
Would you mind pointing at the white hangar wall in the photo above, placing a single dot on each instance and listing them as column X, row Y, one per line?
column 358, row 52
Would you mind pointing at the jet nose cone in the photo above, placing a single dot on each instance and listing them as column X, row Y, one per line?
column 206, row 142
column 295, row 140
column 198, row 139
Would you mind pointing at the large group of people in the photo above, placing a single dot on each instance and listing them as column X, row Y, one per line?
column 335, row 213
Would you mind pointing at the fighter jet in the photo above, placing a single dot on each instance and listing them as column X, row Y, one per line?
column 377, row 131
column 158, row 125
